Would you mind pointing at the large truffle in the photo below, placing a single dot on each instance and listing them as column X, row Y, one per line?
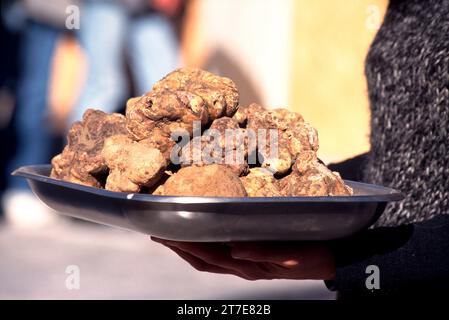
column 132, row 165
column 260, row 182
column 212, row 181
column 223, row 143
column 281, row 136
column 163, row 113
column 175, row 102
column 81, row 160
column 219, row 94
column 309, row 177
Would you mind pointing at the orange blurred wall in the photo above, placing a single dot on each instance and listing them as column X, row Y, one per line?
column 304, row 55
column 328, row 86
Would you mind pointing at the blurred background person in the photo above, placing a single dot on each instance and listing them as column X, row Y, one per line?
column 40, row 23
column 142, row 31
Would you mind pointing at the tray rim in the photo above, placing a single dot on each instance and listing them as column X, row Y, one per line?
column 29, row 172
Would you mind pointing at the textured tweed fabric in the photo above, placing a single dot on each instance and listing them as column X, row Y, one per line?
column 407, row 70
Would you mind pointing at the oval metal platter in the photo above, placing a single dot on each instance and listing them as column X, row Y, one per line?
column 215, row 219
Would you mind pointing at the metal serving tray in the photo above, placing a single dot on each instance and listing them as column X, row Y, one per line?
column 213, row 218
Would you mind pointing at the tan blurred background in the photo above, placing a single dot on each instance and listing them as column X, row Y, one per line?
column 304, row 55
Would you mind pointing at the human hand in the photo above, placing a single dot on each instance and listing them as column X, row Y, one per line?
column 258, row 260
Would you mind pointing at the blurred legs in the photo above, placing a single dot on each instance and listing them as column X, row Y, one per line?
column 33, row 137
column 33, row 145
column 153, row 50
column 102, row 33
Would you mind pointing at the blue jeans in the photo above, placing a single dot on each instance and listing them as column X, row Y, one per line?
column 33, row 134
column 106, row 31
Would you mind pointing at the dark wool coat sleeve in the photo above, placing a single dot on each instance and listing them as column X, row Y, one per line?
column 407, row 72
